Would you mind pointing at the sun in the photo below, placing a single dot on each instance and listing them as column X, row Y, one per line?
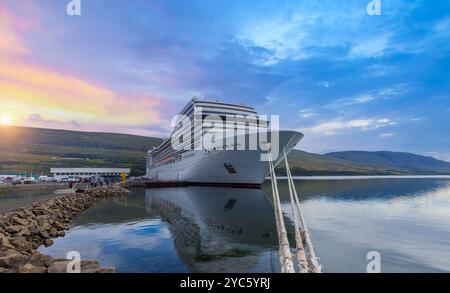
column 5, row 120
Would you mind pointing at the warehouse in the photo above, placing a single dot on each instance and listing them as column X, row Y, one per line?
column 94, row 174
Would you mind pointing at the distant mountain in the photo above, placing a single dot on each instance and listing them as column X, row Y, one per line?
column 304, row 163
column 24, row 149
column 394, row 161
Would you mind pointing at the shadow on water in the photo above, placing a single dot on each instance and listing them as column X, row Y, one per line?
column 207, row 229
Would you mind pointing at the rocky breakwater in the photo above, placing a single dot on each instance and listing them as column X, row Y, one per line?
column 24, row 230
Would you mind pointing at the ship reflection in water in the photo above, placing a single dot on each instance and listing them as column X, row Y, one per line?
column 207, row 229
column 217, row 229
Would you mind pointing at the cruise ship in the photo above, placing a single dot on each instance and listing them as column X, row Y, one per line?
column 219, row 144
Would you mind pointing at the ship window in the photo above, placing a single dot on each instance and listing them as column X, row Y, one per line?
column 230, row 168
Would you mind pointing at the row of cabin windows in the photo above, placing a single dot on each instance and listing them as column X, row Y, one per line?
column 85, row 174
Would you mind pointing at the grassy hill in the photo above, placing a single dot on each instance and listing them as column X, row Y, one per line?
column 24, row 149
column 304, row 163
column 37, row 150
column 401, row 162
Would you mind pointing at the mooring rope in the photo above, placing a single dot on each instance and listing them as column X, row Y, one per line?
column 300, row 253
column 287, row 265
column 312, row 260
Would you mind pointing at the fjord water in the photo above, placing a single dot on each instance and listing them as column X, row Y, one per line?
column 206, row 229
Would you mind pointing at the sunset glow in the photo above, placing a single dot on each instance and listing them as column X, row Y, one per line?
column 5, row 120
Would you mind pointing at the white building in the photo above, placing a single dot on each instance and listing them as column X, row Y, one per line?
column 96, row 174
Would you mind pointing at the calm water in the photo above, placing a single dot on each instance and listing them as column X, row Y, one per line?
column 201, row 229
column 12, row 198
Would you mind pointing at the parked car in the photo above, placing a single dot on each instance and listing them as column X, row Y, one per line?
column 46, row 179
column 29, row 180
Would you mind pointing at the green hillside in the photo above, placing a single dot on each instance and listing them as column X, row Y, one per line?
column 24, row 149
column 404, row 162
column 304, row 163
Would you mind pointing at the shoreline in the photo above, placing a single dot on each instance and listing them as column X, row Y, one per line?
column 24, row 230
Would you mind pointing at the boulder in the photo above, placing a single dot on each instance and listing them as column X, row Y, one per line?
column 90, row 266
column 14, row 229
column 12, row 259
column 29, row 268
column 6, row 243
column 58, row 267
column 19, row 221
column 53, row 232
column 44, row 233
column 106, row 270
column 23, row 232
column 21, row 244
column 40, row 260
column 48, row 242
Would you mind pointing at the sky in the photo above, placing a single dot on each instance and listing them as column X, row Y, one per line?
column 346, row 79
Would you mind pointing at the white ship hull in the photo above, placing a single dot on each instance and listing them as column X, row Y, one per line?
column 200, row 167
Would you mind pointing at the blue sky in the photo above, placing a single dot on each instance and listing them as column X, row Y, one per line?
column 346, row 79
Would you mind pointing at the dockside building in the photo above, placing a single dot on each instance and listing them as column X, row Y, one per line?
column 96, row 174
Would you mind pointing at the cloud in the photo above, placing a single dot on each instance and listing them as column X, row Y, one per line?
column 10, row 42
column 38, row 120
column 387, row 134
column 369, row 96
column 332, row 127
column 376, row 46
column 60, row 96
column 324, row 83
column 307, row 113
column 440, row 155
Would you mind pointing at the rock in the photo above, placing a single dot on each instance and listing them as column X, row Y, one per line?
column 106, row 270
column 59, row 225
column 23, row 232
column 53, row 232
column 48, row 242
column 29, row 268
column 44, row 234
column 58, row 267
column 21, row 244
column 17, row 220
column 90, row 266
column 13, row 259
column 14, row 229
column 6, row 243
column 40, row 260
